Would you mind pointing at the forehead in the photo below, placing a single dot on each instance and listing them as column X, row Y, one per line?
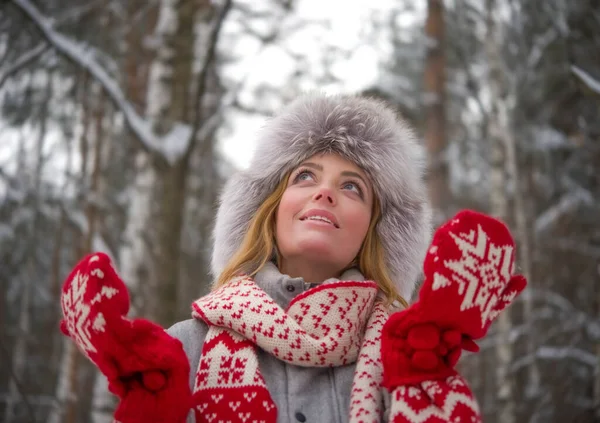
column 336, row 162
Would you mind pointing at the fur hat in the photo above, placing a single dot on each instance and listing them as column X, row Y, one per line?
column 364, row 131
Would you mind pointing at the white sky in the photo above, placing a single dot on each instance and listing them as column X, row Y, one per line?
column 345, row 27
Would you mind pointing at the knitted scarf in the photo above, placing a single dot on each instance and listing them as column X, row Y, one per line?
column 331, row 325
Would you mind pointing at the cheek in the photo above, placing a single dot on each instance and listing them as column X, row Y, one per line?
column 359, row 219
column 359, row 214
column 287, row 209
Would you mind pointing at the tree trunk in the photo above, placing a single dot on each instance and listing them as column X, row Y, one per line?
column 596, row 381
column 203, row 185
column 203, row 179
column 102, row 400
column 499, row 205
column 63, row 354
column 524, row 259
column 135, row 253
column 20, row 354
column 138, row 252
column 65, row 409
column 596, row 389
column 435, row 112
column 170, row 204
column 152, row 255
column 138, row 58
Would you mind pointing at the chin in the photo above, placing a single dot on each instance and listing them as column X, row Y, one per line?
column 318, row 251
column 320, row 246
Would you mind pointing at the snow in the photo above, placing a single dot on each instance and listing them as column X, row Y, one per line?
column 567, row 203
column 100, row 245
column 7, row 233
column 548, row 352
column 592, row 83
column 176, row 142
column 538, row 49
column 86, row 58
column 561, row 353
column 167, row 18
column 78, row 219
column 593, row 330
column 548, row 138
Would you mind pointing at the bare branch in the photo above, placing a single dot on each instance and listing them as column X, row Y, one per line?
column 18, row 383
column 592, row 83
column 559, row 354
column 22, row 61
column 577, row 246
column 565, row 205
column 199, row 120
column 74, row 13
column 171, row 147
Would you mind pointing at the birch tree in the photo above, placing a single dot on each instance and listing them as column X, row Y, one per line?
column 102, row 401
column 499, row 131
column 20, row 353
column 524, row 85
column 521, row 213
column 174, row 123
column 186, row 34
column 592, row 85
column 434, row 100
column 68, row 389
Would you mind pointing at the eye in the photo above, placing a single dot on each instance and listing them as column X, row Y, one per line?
column 353, row 186
column 304, row 175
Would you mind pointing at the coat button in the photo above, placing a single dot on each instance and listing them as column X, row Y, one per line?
column 300, row 417
column 290, row 288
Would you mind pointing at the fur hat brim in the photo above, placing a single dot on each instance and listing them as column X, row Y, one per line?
column 364, row 131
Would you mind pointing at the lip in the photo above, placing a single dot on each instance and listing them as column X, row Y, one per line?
column 323, row 213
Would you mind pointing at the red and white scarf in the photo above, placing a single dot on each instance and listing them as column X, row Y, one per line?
column 331, row 325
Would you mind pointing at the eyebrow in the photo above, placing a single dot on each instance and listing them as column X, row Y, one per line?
column 344, row 173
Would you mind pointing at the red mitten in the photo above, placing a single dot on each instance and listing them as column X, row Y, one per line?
column 468, row 282
column 146, row 367
column 435, row 401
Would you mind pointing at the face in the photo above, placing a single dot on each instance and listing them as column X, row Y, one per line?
column 324, row 214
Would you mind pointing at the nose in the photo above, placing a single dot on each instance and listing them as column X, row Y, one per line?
column 325, row 194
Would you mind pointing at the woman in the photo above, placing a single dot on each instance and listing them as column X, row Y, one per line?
column 314, row 245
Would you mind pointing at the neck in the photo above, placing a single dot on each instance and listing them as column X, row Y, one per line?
column 309, row 271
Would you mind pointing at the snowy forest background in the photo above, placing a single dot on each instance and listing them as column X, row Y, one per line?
column 120, row 120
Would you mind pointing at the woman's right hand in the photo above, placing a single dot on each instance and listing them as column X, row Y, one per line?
column 145, row 367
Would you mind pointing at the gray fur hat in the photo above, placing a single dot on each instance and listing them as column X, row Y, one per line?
column 362, row 130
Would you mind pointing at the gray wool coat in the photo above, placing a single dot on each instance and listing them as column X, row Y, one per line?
column 302, row 394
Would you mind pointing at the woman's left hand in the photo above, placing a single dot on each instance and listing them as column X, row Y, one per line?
column 468, row 282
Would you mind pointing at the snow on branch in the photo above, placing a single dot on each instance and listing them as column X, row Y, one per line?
column 570, row 352
column 80, row 221
column 171, row 147
column 566, row 204
column 592, row 83
column 552, row 353
column 547, row 296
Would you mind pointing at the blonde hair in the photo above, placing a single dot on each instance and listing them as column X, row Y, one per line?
column 259, row 242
